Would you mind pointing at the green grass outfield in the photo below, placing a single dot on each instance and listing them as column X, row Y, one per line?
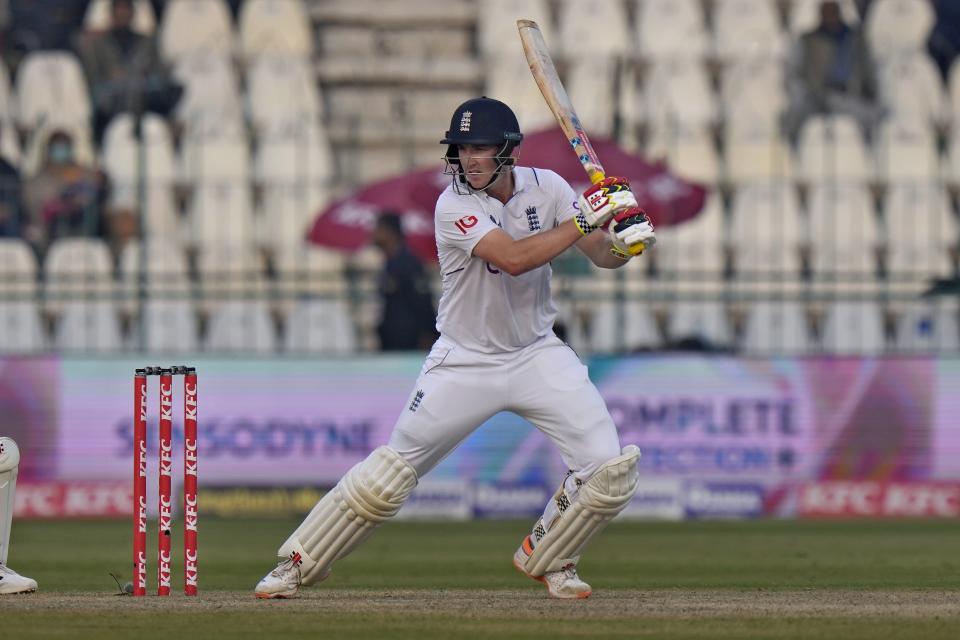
column 769, row 579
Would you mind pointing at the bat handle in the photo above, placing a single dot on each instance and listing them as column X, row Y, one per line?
column 596, row 175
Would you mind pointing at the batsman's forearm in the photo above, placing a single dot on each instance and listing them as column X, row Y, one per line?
column 539, row 249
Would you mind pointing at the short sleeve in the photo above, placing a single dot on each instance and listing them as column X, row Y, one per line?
column 565, row 199
column 459, row 229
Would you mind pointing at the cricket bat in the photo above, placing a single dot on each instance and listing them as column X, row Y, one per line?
column 545, row 74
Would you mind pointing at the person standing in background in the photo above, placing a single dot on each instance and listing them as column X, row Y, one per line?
column 408, row 317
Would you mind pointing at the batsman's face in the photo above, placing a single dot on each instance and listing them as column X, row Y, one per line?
column 478, row 162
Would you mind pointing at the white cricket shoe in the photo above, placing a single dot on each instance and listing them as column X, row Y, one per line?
column 282, row 582
column 12, row 582
column 564, row 584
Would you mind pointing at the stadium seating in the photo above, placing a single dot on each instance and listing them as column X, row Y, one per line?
column 51, row 91
column 920, row 231
column 77, row 269
column 747, row 29
column 89, row 326
column 577, row 40
column 671, row 29
column 282, row 95
column 853, row 327
column 688, row 150
column 165, row 272
column 18, row 270
column 167, row 326
column 930, row 327
column 98, row 16
column 906, row 152
column 845, row 236
column 754, row 151
column 768, row 236
column 189, row 27
column 21, row 327
column 776, row 327
column 895, row 26
column 271, row 27
column 910, row 87
column 832, row 149
column 622, row 326
column 221, row 214
column 243, row 326
column 704, row 321
column 497, row 25
column 805, row 14
column 678, row 90
column 320, row 326
column 591, row 83
column 690, row 256
column 211, row 101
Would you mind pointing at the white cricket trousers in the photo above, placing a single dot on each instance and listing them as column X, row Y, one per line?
column 545, row 383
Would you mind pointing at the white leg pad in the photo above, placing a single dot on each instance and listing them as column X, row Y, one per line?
column 9, row 463
column 598, row 501
column 369, row 494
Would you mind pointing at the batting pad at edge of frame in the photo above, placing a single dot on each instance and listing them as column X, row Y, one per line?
column 600, row 499
column 369, row 494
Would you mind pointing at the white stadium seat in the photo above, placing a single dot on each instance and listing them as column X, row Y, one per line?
column 18, row 269
column 211, row 94
column 832, row 149
column 228, row 272
column 51, row 91
column 9, row 143
column 747, row 29
column 77, row 269
column 320, row 325
column 920, row 231
column 89, row 326
column 221, row 214
column 805, row 15
column 906, row 152
column 582, row 36
column 190, row 27
column 497, row 24
column 678, row 90
column 703, row 320
column 508, row 78
column 930, row 327
column 619, row 326
column 774, row 326
column 98, row 16
column 752, row 90
column 168, row 326
column 688, row 150
column 215, row 160
column 269, row 27
column 954, row 89
column 911, row 87
column 122, row 153
column 241, row 326
column 755, row 151
column 899, row 25
column 591, row 84
column 21, row 327
column 695, row 249
column 853, row 328
column 283, row 95
column 844, row 231
column 768, row 234
column 165, row 267
column 7, row 102
column 671, row 29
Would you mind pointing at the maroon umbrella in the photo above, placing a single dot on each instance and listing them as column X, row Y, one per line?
column 346, row 224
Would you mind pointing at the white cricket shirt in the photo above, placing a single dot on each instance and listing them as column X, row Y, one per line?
column 482, row 308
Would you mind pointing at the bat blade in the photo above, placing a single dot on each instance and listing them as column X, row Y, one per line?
column 545, row 75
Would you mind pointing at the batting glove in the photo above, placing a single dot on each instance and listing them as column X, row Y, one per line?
column 631, row 233
column 601, row 201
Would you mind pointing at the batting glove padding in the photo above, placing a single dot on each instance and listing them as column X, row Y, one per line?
column 631, row 233
column 601, row 201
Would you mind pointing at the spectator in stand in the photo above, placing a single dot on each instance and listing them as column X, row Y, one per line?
column 831, row 71
column 408, row 320
column 64, row 198
column 11, row 213
column 944, row 43
column 124, row 70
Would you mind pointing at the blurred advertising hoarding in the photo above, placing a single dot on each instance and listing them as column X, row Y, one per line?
column 716, row 432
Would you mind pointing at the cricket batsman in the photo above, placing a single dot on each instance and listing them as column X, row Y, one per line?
column 11, row 582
